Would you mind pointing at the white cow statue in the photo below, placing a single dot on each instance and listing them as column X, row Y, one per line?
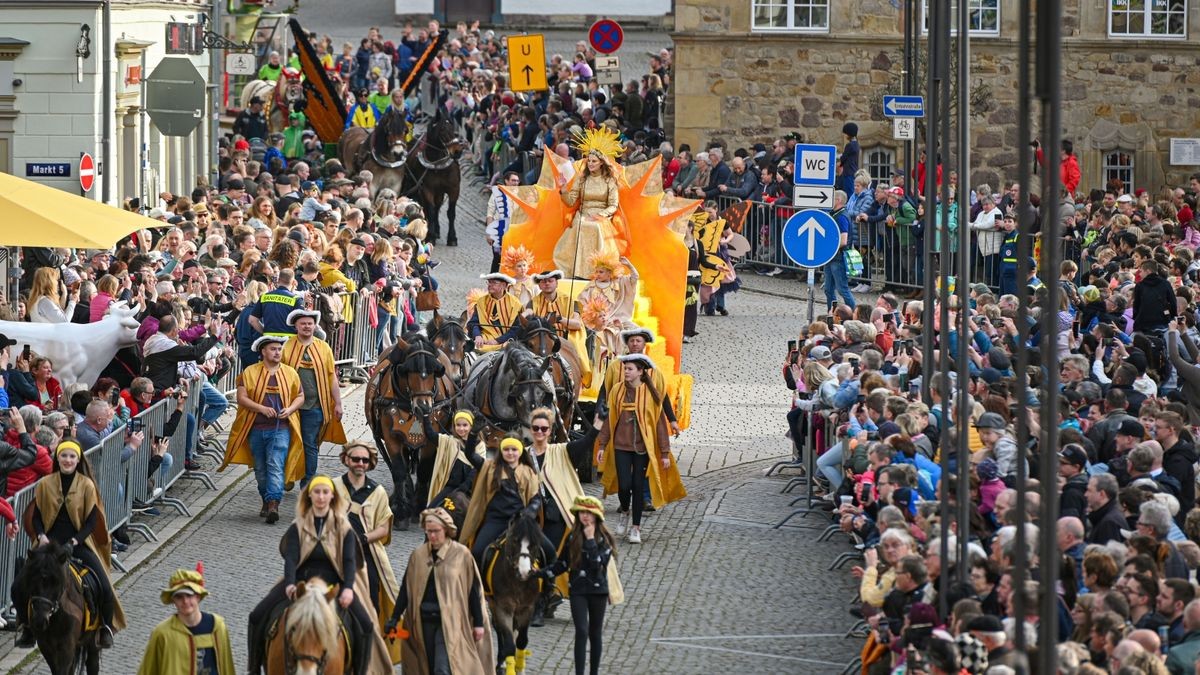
column 79, row 351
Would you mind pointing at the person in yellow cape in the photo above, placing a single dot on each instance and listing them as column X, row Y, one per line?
column 634, row 445
column 515, row 262
column 493, row 318
column 189, row 641
column 321, row 412
column 505, row 487
column 455, row 463
column 320, row 543
column 606, row 306
column 560, row 487
column 636, row 339
column 588, row 561
column 370, row 516
column 561, row 311
column 445, row 631
column 266, row 432
column 67, row 510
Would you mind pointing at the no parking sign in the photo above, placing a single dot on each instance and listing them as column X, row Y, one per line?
column 606, row 36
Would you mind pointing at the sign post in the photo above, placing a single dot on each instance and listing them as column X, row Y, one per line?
column 527, row 62
column 811, row 238
column 814, row 180
column 175, row 96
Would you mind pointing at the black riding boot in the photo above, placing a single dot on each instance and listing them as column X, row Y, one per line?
column 360, row 653
column 539, row 608
column 254, row 648
column 25, row 638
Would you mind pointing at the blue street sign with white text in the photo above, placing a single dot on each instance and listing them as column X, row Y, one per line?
column 47, row 170
column 811, row 238
column 903, row 106
column 816, row 165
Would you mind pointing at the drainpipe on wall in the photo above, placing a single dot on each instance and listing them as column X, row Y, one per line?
column 108, row 107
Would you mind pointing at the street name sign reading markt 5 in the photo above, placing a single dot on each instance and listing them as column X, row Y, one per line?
column 527, row 62
column 903, row 106
column 811, row 238
column 175, row 97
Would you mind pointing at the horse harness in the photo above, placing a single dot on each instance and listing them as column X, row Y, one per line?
column 292, row 660
column 444, row 330
column 439, row 165
column 402, row 405
column 87, row 584
column 555, row 357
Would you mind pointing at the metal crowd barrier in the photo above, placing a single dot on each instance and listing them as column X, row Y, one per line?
column 810, row 463
column 893, row 258
column 14, row 551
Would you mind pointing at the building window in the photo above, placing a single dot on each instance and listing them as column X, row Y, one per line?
column 1118, row 165
column 881, row 162
column 1147, row 18
column 983, row 16
column 790, row 15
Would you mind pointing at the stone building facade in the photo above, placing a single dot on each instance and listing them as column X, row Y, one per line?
column 738, row 80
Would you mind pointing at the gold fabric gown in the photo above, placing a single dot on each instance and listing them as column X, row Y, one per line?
column 592, row 228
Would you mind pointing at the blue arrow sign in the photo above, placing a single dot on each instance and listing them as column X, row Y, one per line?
column 816, row 165
column 811, row 238
column 903, row 106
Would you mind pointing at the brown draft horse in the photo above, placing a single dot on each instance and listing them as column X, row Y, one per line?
column 449, row 336
column 383, row 151
column 56, row 609
column 408, row 387
column 566, row 370
column 308, row 639
column 433, row 176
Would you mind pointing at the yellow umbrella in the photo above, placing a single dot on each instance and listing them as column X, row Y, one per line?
column 32, row 214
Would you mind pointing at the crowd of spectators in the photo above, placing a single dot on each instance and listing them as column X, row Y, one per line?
column 1129, row 528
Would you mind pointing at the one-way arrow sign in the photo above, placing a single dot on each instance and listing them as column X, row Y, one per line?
column 903, row 106
column 811, row 238
column 812, row 198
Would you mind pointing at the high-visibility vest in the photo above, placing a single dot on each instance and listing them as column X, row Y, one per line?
column 1009, row 247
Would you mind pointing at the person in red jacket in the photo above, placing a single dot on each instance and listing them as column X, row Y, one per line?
column 1068, row 167
column 26, row 475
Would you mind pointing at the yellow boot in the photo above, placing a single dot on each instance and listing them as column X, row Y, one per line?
column 510, row 665
column 522, row 654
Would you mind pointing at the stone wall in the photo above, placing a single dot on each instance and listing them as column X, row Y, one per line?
column 739, row 88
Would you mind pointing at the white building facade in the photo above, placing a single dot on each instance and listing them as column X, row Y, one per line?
column 71, row 76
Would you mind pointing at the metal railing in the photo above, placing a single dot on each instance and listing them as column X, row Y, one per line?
column 893, row 257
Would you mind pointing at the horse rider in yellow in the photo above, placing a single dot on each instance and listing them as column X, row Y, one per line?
column 493, row 318
column 266, row 432
column 561, row 311
column 321, row 412
column 634, row 445
column 370, row 515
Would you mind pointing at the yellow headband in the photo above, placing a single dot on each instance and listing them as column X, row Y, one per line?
column 320, row 480
column 511, row 443
column 464, row 414
column 69, row 445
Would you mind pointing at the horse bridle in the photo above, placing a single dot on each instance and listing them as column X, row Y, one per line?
column 375, row 156
column 534, row 332
column 292, row 660
column 446, row 326
column 55, row 605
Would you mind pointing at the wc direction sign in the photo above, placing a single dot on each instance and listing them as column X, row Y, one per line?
column 816, row 165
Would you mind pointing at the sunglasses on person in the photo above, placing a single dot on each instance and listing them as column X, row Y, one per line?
column 540, row 429
column 359, row 460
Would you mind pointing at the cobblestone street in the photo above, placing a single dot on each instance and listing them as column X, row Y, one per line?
column 713, row 589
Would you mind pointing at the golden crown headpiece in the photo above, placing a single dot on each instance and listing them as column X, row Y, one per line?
column 603, row 140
